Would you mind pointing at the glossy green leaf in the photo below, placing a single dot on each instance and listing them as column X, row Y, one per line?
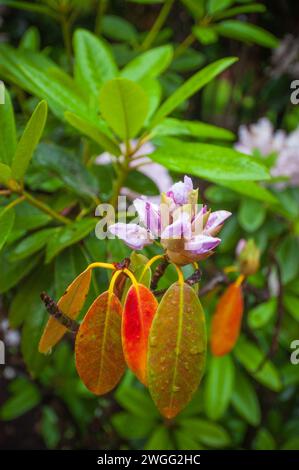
column 206, row 432
column 12, row 273
column 219, row 386
column 287, row 255
column 247, row 32
column 218, row 5
column 7, row 132
column 245, row 400
column 94, row 63
column 124, row 105
column 129, row 426
column 208, row 161
column 91, row 131
column 5, row 173
column 29, row 140
column 32, row 244
column 149, row 64
column 24, row 396
column 251, row 357
column 191, row 86
column 119, row 29
column 195, row 129
column 240, row 10
column 141, row 183
column 291, row 304
column 250, row 189
column 177, row 349
column 159, row 440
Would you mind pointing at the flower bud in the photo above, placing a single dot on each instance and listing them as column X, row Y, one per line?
column 248, row 257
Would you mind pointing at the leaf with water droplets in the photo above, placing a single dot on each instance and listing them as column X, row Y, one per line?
column 177, row 349
column 70, row 304
column 227, row 320
column 99, row 357
column 139, row 310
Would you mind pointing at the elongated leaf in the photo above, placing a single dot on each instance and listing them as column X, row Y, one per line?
column 94, row 63
column 251, row 215
column 227, row 320
column 70, row 304
column 251, row 357
column 99, row 356
column 250, row 189
column 191, row 86
column 24, row 396
column 218, row 5
column 195, row 129
column 206, row 432
column 149, row 64
column 29, row 141
column 93, row 132
column 139, row 310
column 32, row 244
column 260, row 315
column 219, row 386
column 245, row 400
column 124, row 105
column 177, row 349
column 5, row 173
column 7, row 131
column 239, row 10
column 246, row 32
column 119, row 29
column 207, row 161
column 6, row 224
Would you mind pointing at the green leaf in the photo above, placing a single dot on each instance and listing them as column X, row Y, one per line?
column 260, row 315
column 5, row 173
column 251, row 215
column 32, row 244
column 185, row 442
column 92, row 132
column 119, row 29
column 30, row 40
column 207, row 161
column 250, row 189
column 142, row 184
column 150, row 64
column 206, row 432
column 196, row 7
column 240, row 10
column 29, row 6
column 7, row 218
column 291, row 304
column 246, row 32
column 68, row 235
column 287, row 255
column 251, row 357
column 94, row 63
column 245, row 400
column 29, row 140
column 219, row 386
column 159, row 440
column 7, row 132
column 264, row 440
column 218, row 5
column 136, row 401
column 50, row 427
column 124, row 105
column 191, row 86
column 24, row 396
column 205, row 34
column 197, row 130
column 129, row 426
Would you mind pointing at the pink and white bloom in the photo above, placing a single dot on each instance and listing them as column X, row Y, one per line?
column 186, row 229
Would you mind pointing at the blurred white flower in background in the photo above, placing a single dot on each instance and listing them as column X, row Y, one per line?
column 157, row 173
column 261, row 138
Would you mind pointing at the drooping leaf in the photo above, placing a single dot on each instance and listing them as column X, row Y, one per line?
column 207, row 161
column 177, row 349
column 219, row 386
column 191, row 86
column 226, row 322
column 29, row 141
column 139, row 310
column 7, row 131
column 149, row 64
column 99, row 357
column 94, row 63
column 70, row 304
column 124, row 105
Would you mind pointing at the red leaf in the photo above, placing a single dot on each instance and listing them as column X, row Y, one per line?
column 140, row 308
column 99, row 357
column 227, row 320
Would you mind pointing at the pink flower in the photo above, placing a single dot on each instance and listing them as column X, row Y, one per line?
column 187, row 234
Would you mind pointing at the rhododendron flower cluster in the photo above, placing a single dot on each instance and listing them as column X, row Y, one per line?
column 188, row 231
column 262, row 138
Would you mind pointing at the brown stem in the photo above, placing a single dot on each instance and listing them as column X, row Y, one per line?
column 56, row 313
column 160, row 270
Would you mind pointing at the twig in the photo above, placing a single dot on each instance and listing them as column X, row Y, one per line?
column 213, row 283
column 160, row 270
column 56, row 313
column 158, row 24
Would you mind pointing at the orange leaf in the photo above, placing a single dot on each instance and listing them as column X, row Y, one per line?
column 226, row 322
column 177, row 349
column 99, row 357
column 140, row 308
column 70, row 304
